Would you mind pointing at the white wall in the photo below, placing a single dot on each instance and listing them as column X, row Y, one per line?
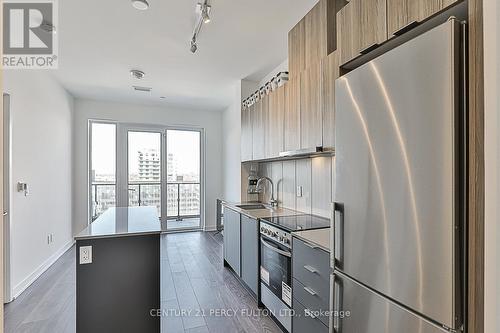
column 492, row 165
column 89, row 109
column 41, row 120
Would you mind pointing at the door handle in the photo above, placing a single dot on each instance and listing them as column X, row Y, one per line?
column 5, row 213
column 338, row 237
column 275, row 249
column 310, row 291
column 310, row 269
column 337, row 303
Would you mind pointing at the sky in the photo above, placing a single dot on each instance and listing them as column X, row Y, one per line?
column 185, row 145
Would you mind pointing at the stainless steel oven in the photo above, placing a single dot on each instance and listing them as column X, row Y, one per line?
column 276, row 262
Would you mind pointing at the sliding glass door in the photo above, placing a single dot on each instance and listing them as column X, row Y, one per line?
column 102, row 167
column 144, row 169
column 148, row 166
column 183, row 179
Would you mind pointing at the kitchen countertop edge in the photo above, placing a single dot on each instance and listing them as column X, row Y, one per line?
column 279, row 211
column 318, row 237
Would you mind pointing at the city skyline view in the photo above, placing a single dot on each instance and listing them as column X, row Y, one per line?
column 144, row 154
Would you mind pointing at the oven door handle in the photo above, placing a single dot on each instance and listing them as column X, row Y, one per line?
column 275, row 249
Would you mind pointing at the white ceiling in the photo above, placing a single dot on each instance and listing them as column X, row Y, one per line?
column 101, row 40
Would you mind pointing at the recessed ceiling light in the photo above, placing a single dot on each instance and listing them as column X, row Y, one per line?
column 140, row 4
column 137, row 74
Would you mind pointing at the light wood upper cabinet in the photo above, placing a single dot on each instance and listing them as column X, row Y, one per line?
column 373, row 25
column 348, row 39
column 246, row 134
column 292, row 114
column 361, row 26
column 275, row 122
column 313, row 38
column 297, row 48
column 311, row 119
column 330, row 72
column 259, row 133
column 402, row 14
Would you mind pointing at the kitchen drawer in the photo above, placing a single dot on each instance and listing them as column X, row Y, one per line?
column 311, row 266
column 302, row 322
column 314, row 302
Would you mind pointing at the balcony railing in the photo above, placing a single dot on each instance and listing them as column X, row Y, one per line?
column 183, row 198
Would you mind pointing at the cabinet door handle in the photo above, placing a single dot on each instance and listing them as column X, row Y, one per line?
column 310, row 291
column 369, row 48
column 406, row 28
column 310, row 245
column 309, row 313
column 310, row 269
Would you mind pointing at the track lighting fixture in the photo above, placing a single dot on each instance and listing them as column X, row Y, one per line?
column 203, row 13
column 194, row 47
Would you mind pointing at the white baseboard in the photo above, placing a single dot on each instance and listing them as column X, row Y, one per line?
column 210, row 228
column 23, row 285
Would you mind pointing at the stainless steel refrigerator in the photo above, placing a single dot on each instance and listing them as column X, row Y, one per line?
column 398, row 230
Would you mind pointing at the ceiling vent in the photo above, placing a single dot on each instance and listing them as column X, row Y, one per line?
column 145, row 89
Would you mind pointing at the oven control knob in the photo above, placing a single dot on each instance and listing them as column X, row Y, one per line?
column 287, row 241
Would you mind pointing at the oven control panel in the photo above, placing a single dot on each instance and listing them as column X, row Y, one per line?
column 276, row 234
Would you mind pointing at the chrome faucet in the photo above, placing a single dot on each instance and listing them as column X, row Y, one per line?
column 272, row 202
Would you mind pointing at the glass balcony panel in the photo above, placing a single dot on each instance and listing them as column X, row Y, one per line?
column 103, row 197
column 172, row 202
column 151, row 196
column 189, row 199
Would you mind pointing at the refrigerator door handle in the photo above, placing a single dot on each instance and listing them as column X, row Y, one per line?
column 337, row 304
column 338, row 239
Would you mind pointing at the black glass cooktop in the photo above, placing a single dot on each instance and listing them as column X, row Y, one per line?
column 298, row 222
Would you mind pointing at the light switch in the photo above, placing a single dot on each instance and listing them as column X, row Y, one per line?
column 299, row 191
column 85, row 255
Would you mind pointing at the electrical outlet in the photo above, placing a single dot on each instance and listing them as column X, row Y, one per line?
column 48, row 239
column 85, row 255
column 299, row 191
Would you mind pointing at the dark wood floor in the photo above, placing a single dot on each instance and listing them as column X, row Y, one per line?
column 198, row 294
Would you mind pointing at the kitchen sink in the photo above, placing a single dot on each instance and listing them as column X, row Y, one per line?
column 251, row 206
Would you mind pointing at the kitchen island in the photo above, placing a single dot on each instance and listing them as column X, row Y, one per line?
column 118, row 272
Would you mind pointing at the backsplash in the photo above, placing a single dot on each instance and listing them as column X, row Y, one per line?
column 305, row 185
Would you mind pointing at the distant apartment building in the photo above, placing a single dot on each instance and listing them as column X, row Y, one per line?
column 149, row 165
column 183, row 189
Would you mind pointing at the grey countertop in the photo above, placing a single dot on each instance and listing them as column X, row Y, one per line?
column 319, row 237
column 260, row 213
column 123, row 221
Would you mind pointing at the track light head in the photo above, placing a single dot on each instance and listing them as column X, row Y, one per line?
column 204, row 13
column 194, row 47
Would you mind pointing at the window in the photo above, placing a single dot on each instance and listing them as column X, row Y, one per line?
column 102, row 167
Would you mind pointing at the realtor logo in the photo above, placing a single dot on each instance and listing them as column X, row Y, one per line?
column 29, row 34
